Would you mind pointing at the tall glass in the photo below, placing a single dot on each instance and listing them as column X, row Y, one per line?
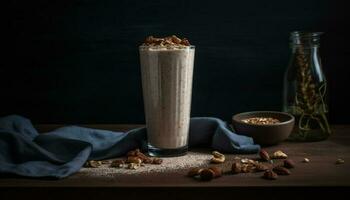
column 167, row 90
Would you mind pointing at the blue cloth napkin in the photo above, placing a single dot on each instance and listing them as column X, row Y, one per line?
column 62, row 152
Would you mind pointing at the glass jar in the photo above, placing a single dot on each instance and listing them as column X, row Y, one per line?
column 305, row 88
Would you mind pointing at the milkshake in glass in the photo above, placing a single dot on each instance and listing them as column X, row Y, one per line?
column 167, row 69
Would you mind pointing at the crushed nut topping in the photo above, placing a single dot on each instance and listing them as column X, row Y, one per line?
column 169, row 41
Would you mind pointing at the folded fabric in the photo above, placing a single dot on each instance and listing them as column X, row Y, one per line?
column 62, row 152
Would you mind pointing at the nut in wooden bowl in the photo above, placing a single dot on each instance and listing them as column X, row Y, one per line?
column 265, row 127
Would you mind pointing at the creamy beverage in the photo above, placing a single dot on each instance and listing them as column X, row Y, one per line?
column 167, row 69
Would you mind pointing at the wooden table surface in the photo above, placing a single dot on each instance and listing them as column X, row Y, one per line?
column 320, row 171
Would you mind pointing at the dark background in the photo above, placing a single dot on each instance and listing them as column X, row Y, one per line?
column 77, row 61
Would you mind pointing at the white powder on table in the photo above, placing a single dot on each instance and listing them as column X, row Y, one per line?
column 191, row 159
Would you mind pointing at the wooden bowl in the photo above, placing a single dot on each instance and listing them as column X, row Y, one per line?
column 264, row 134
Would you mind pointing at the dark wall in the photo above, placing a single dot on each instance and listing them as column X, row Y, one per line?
column 77, row 61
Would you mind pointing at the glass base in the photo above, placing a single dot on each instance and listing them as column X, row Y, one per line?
column 157, row 152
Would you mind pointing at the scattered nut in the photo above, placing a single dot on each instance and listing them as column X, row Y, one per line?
column 118, row 163
column 217, row 154
column 305, row 160
column 217, row 157
column 194, row 172
column 247, row 168
column 264, row 155
column 340, row 161
column 247, row 161
column 133, row 166
column 134, row 159
column 259, row 167
column 236, row 168
column 252, row 162
column 247, row 165
column 143, row 157
column 279, row 155
column 93, row 163
column 217, row 171
column 148, row 160
column 207, row 174
column 270, row 175
column 217, row 160
column 136, row 156
column 288, row 163
column 281, row 170
column 157, row 161
column 105, row 161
